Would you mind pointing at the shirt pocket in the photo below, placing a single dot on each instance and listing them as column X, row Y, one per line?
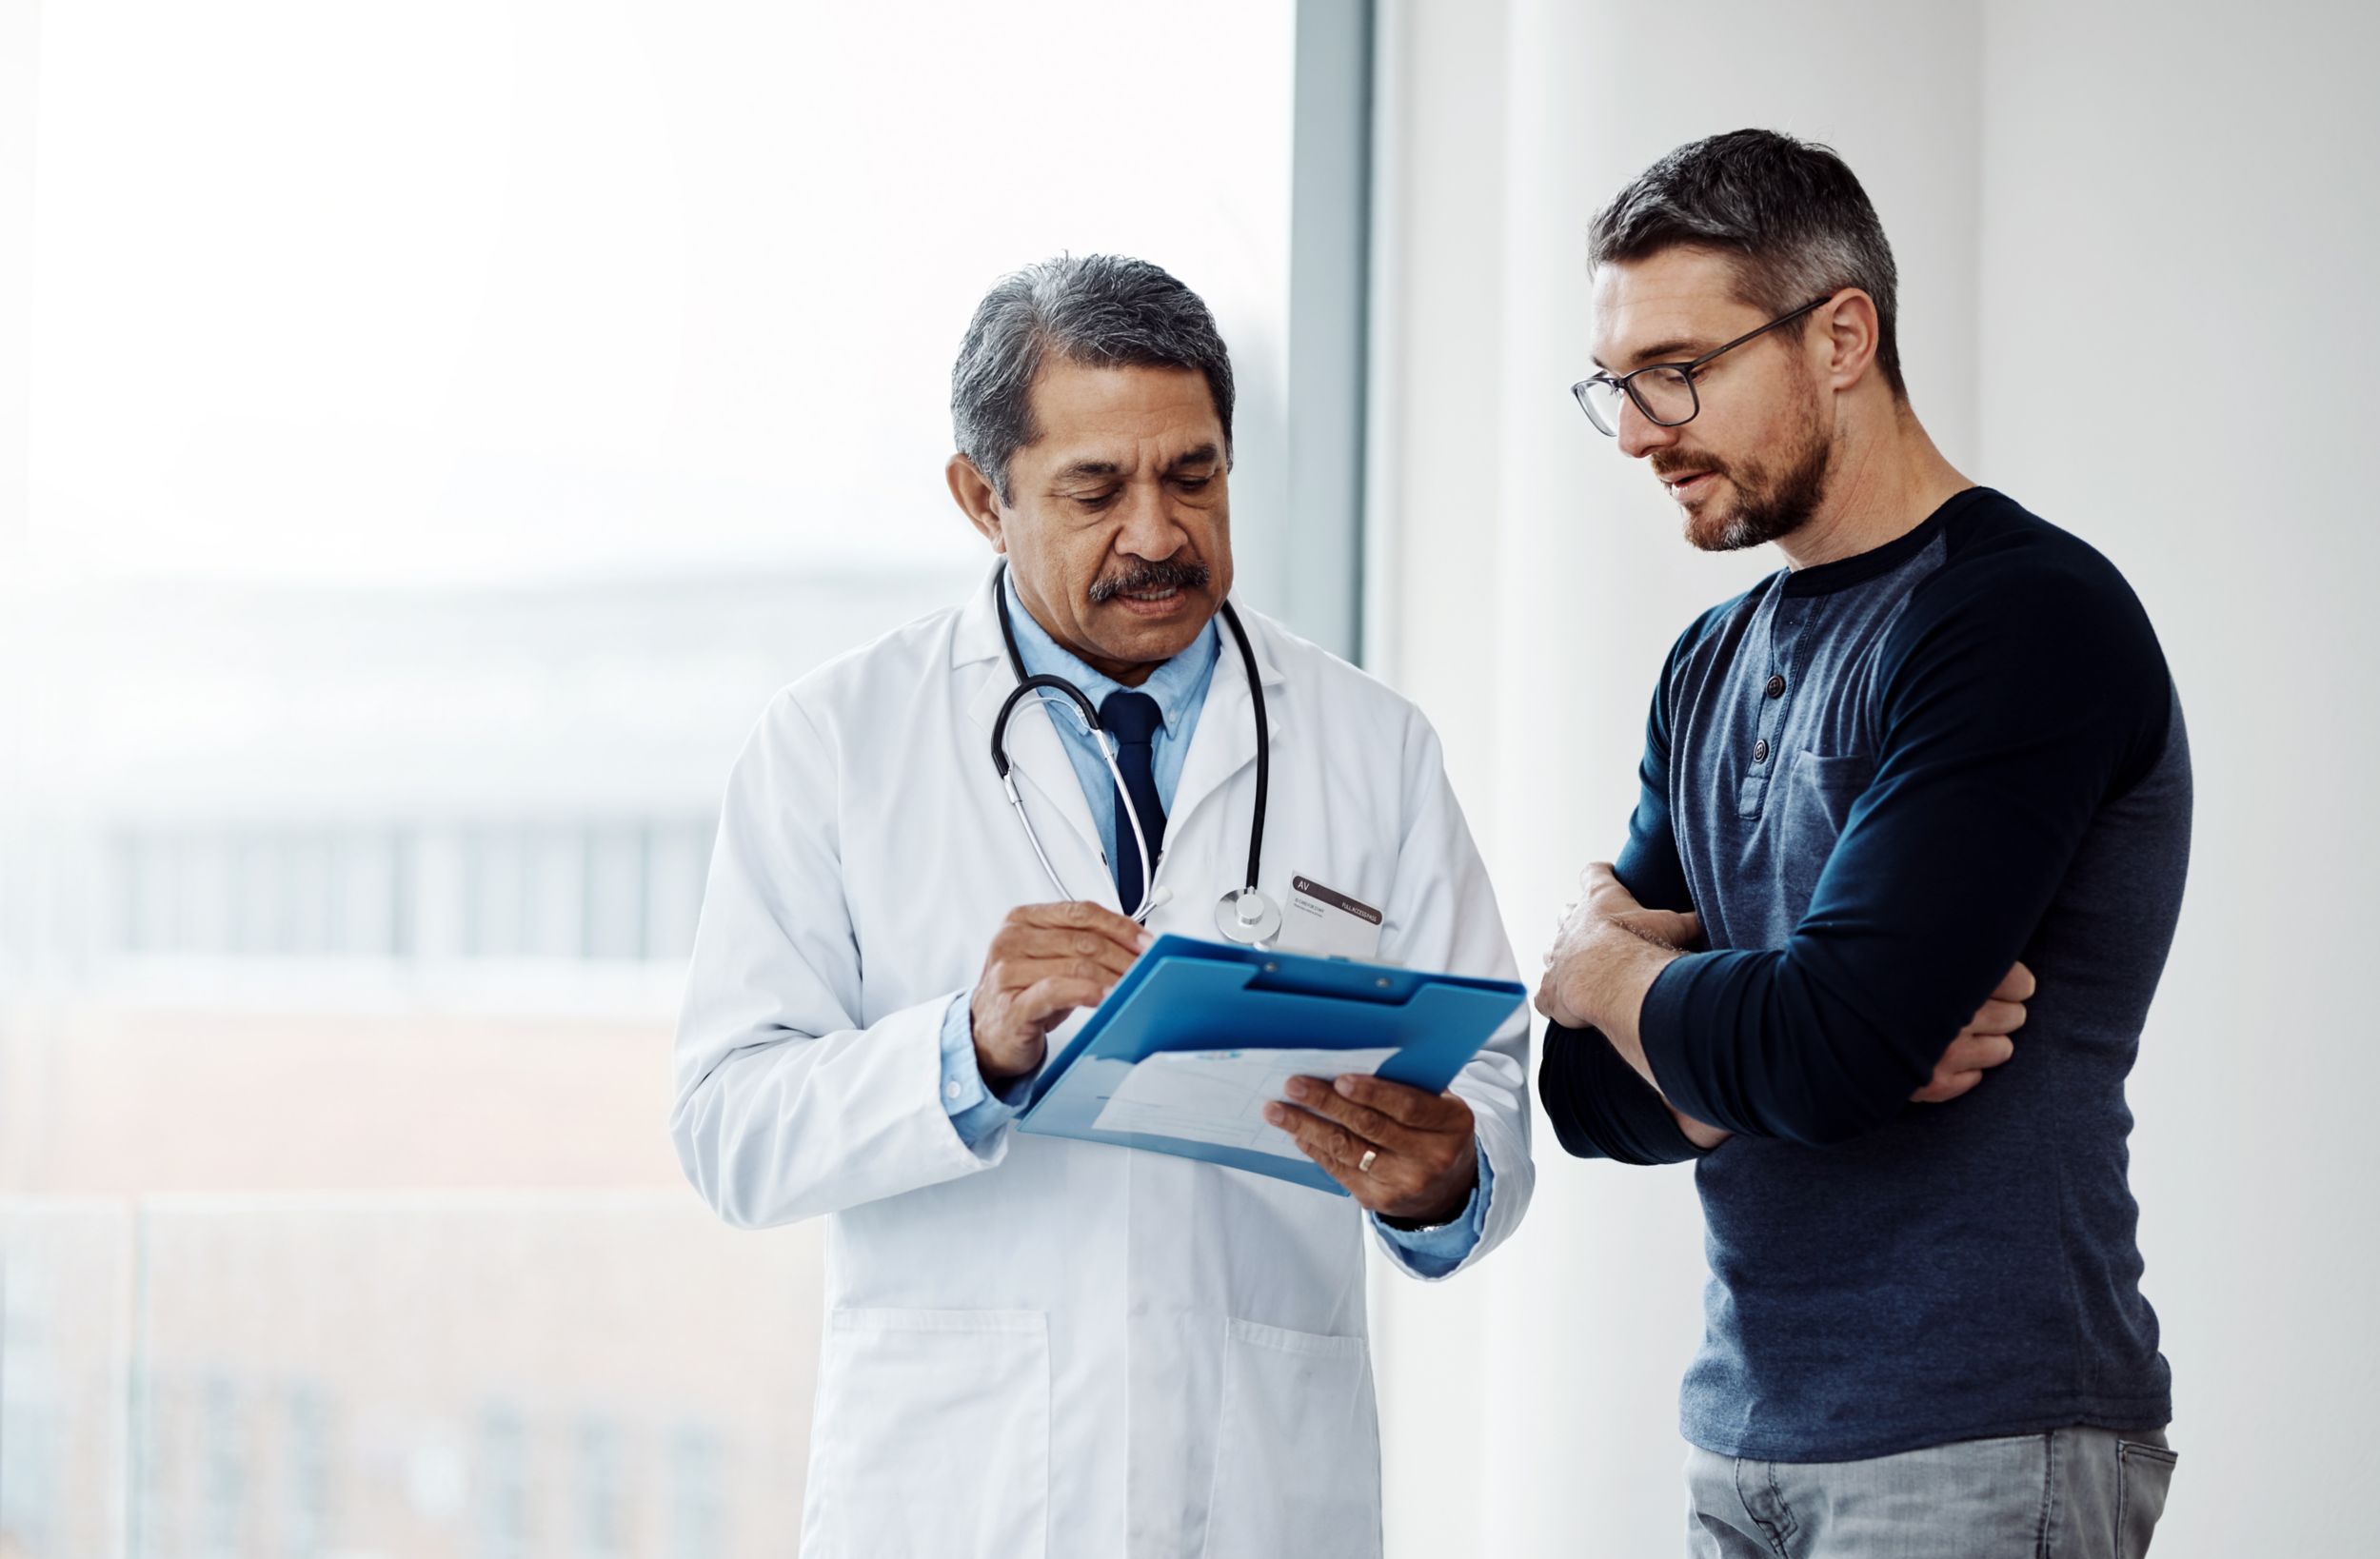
column 1819, row 789
column 1297, row 1447
column 932, row 1435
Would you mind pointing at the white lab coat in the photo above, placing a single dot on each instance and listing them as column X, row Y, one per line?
column 1043, row 1347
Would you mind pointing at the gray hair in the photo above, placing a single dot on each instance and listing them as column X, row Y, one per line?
column 1789, row 212
column 1104, row 310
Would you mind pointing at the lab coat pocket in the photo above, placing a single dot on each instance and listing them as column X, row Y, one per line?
column 931, row 1436
column 1298, row 1449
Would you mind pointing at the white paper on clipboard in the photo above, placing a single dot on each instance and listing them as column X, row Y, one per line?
column 1220, row 1096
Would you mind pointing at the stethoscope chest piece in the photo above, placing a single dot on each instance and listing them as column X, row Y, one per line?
column 1246, row 916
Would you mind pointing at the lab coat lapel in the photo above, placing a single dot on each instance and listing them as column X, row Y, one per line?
column 1225, row 740
column 1045, row 775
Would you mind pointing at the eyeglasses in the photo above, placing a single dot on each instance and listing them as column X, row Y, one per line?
column 1663, row 392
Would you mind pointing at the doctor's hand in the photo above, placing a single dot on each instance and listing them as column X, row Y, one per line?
column 1424, row 1154
column 1044, row 962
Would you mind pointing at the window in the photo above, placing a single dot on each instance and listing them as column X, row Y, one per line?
column 448, row 423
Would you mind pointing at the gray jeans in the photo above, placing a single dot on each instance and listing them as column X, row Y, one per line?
column 2076, row 1493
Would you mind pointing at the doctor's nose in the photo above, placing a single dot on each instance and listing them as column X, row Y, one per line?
column 1150, row 530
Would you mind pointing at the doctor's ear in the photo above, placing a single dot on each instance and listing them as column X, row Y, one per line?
column 972, row 491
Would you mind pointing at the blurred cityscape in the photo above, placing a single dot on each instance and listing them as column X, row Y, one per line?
column 428, row 434
column 340, row 939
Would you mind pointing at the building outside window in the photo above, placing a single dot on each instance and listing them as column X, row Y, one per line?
column 448, row 423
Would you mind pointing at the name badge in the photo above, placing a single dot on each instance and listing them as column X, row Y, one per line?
column 1328, row 923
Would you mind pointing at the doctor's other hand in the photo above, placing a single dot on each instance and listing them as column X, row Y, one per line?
column 1044, row 962
column 1983, row 1044
column 1424, row 1150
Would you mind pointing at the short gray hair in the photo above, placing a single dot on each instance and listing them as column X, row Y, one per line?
column 1104, row 310
column 1790, row 213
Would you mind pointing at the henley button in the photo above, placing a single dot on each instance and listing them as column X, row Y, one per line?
column 1759, row 752
column 1776, row 687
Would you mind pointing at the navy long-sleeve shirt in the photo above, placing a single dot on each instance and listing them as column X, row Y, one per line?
column 1881, row 783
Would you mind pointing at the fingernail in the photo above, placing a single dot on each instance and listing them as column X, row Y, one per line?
column 1301, row 1089
column 1346, row 1085
column 1277, row 1116
column 1148, row 939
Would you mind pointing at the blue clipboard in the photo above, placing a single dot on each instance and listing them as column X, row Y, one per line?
column 1186, row 994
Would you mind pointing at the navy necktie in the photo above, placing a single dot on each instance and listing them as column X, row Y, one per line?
column 1133, row 720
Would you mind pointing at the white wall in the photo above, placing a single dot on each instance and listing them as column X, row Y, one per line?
column 2164, row 190
column 2186, row 191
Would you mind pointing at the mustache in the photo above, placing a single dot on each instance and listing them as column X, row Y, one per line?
column 1147, row 575
column 1669, row 470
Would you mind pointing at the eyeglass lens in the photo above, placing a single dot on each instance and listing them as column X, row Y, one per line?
column 1665, row 395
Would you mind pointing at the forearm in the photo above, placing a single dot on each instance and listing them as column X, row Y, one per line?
column 1605, row 987
column 1602, row 1108
column 1433, row 1253
column 979, row 1103
column 1754, row 1041
column 773, row 1125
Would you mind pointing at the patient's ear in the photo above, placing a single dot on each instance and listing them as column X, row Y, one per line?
column 1852, row 331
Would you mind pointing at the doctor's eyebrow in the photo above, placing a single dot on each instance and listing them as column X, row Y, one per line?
column 1081, row 470
column 1085, row 469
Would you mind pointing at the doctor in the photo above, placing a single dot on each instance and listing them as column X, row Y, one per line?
column 1036, row 1346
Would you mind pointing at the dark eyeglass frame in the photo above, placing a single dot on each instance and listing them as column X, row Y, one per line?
column 1685, row 371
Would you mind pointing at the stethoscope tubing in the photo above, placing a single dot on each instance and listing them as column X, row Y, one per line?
column 1044, row 686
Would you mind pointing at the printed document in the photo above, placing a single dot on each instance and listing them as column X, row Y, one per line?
column 1220, row 1096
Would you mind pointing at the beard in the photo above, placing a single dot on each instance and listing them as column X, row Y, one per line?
column 1774, row 499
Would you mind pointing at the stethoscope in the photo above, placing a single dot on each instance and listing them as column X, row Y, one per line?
column 1245, row 916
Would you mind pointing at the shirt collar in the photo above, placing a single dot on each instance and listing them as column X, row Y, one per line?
column 1171, row 684
column 1826, row 579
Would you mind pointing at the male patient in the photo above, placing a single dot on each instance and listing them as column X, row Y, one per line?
column 1940, row 741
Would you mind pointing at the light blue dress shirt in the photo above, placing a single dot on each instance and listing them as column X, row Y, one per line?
column 976, row 1108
